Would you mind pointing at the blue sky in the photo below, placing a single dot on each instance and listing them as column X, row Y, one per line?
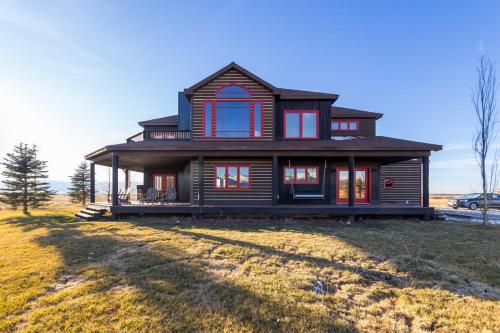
column 77, row 75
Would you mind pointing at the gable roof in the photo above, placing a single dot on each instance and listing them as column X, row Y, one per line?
column 163, row 121
column 340, row 112
column 282, row 93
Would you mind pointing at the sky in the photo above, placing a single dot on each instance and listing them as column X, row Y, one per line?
column 78, row 75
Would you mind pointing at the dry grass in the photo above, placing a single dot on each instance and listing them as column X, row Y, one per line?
column 184, row 275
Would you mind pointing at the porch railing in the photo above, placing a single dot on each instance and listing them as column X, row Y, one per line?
column 167, row 135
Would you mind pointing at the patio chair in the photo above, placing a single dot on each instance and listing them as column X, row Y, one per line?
column 125, row 196
column 120, row 193
column 169, row 196
column 149, row 197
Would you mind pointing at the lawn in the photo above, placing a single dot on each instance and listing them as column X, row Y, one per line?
column 229, row 275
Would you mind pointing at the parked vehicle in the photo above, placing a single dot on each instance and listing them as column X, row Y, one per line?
column 474, row 201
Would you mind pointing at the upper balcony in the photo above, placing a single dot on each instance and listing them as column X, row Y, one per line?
column 160, row 136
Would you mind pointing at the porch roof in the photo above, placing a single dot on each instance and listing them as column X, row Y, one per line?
column 338, row 146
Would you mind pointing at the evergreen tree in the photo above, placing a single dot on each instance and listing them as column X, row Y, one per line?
column 24, row 184
column 80, row 184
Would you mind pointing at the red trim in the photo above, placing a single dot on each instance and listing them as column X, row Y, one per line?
column 348, row 122
column 366, row 199
column 301, row 125
column 163, row 180
column 226, row 176
column 295, row 182
column 213, row 120
column 393, row 180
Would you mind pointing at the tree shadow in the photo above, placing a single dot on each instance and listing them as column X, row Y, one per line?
column 187, row 296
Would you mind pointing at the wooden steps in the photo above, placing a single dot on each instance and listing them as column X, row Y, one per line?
column 91, row 213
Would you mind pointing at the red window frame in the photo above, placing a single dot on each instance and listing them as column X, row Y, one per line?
column 226, row 175
column 393, row 180
column 213, row 114
column 348, row 122
column 294, row 181
column 367, row 197
column 301, row 124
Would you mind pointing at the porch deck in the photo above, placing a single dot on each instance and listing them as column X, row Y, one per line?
column 280, row 210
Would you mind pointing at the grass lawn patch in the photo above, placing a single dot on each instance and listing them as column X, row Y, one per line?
column 246, row 275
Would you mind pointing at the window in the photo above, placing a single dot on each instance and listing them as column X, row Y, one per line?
column 232, row 177
column 233, row 114
column 162, row 182
column 345, row 125
column 389, row 183
column 301, row 175
column 361, row 184
column 301, row 124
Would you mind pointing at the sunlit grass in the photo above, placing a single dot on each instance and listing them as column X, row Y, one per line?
column 182, row 275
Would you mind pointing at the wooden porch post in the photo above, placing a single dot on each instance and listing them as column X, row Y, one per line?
column 127, row 178
column 425, row 181
column 352, row 180
column 200, row 180
column 114, row 179
column 92, row 183
column 275, row 176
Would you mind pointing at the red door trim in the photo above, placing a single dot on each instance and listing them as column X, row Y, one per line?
column 368, row 184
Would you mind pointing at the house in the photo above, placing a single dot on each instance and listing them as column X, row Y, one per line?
column 241, row 145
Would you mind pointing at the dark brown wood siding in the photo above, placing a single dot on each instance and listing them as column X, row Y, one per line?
column 233, row 76
column 260, row 191
column 407, row 178
column 366, row 127
column 324, row 108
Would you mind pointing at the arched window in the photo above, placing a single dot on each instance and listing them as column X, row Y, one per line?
column 233, row 91
column 232, row 114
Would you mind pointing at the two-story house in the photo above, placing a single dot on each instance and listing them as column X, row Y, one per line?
column 241, row 145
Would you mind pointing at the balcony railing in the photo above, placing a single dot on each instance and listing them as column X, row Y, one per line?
column 136, row 137
column 167, row 135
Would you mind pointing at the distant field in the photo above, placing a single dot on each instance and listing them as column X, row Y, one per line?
column 255, row 275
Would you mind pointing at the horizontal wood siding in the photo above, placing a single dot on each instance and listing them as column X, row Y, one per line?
column 260, row 191
column 233, row 76
column 366, row 127
column 324, row 108
column 408, row 183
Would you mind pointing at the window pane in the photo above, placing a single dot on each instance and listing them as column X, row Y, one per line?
column 343, row 184
column 292, row 121
column 301, row 175
column 353, row 126
column 244, row 177
column 158, row 183
column 170, row 181
column 289, row 175
column 312, row 176
column 233, row 119
column 220, row 181
column 360, row 184
column 258, row 119
column 335, row 126
column 309, row 125
column 232, row 177
column 343, row 126
column 208, row 119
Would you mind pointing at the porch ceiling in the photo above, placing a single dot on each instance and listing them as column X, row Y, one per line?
column 146, row 160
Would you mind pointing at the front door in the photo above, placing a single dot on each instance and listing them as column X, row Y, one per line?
column 164, row 181
column 361, row 185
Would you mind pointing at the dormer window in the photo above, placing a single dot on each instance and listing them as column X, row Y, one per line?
column 345, row 125
column 232, row 114
column 301, row 124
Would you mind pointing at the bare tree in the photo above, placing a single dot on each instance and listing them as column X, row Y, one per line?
column 483, row 99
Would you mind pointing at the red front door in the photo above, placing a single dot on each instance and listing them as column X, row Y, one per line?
column 361, row 185
column 164, row 181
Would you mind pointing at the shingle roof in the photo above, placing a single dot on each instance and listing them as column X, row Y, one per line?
column 283, row 93
column 369, row 143
column 163, row 121
column 340, row 112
